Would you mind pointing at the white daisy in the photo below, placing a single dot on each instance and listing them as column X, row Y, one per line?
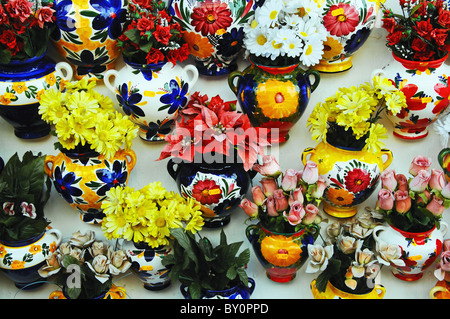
column 312, row 52
column 269, row 13
column 256, row 41
column 274, row 46
column 291, row 43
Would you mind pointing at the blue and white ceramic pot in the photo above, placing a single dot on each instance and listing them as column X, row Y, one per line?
column 237, row 292
column 152, row 94
column 21, row 84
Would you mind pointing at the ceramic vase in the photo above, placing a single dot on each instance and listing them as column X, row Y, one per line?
column 352, row 175
column 146, row 263
column 21, row 84
column 441, row 290
column 218, row 186
column 281, row 254
column 115, row 292
column 87, row 32
column 273, row 97
column 238, row 291
column 82, row 179
column 152, row 94
column 348, row 24
column 21, row 260
column 214, row 31
column 425, row 86
column 419, row 250
column 332, row 292
column 444, row 161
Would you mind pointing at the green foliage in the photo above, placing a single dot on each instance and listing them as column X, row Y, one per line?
column 23, row 181
column 199, row 265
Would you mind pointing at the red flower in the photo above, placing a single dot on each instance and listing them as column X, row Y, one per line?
column 8, row 38
column 389, row 24
column 444, row 18
column 357, row 180
column 207, row 192
column 414, row 103
column 44, row 14
column 394, row 38
column 154, row 56
column 19, row 9
column 444, row 93
column 424, row 29
column 439, row 36
column 145, row 24
column 3, row 16
column 210, row 17
column 180, row 54
column 162, row 34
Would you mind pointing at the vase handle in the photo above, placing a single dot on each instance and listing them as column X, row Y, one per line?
column 116, row 292
column 443, row 231
column 49, row 159
column 131, row 158
column 107, row 79
column 57, row 233
column 57, row 295
column 380, row 290
column 172, row 172
column 306, row 152
column 231, row 77
column 251, row 286
column 65, row 70
column 389, row 159
column 194, row 74
column 316, row 77
column 376, row 230
column 185, row 291
column 435, row 290
column 249, row 232
column 442, row 156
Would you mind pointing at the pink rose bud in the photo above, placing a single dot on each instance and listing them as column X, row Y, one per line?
column 258, row 195
column 270, row 167
column 296, row 213
column 388, row 180
column 385, row 199
column 250, row 208
column 435, row 206
column 419, row 163
column 402, row 201
column 420, row 200
column 310, row 173
column 281, row 201
column 311, row 213
column 420, row 181
column 269, row 185
column 321, row 186
column 437, row 180
column 296, row 195
column 445, row 261
column 289, row 180
column 270, row 205
column 402, row 182
column 446, row 191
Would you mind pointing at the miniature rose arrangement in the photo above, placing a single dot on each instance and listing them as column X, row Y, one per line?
column 284, row 32
column 347, row 258
column 96, row 261
column 148, row 214
column 151, row 35
column 25, row 28
column 415, row 204
column 85, row 120
column 285, row 202
column 442, row 271
column 420, row 32
column 211, row 128
column 349, row 118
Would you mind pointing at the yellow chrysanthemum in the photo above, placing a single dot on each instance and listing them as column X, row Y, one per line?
column 318, row 125
column 50, row 102
column 376, row 132
column 83, row 84
column 105, row 137
column 383, row 86
column 113, row 201
column 395, row 102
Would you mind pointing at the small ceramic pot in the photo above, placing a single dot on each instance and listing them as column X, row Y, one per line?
column 425, row 86
column 441, row 290
column 146, row 263
column 21, row 84
column 152, row 94
column 352, row 175
column 419, row 250
column 214, row 31
column 444, row 161
column 83, row 179
column 20, row 260
column 237, row 292
column 115, row 292
column 332, row 292
column 218, row 187
column 281, row 254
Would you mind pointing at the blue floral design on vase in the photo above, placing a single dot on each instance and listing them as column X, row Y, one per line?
column 65, row 183
column 116, row 177
column 128, row 99
column 112, row 16
column 176, row 96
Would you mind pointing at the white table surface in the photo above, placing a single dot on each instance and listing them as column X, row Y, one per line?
column 374, row 54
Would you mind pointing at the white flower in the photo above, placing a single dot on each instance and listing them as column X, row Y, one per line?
column 256, row 42
column 8, row 207
column 82, row 240
column 389, row 254
column 312, row 52
column 268, row 14
column 28, row 210
column 319, row 257
column 100, row 266
column 442, row 128
column 274, row 47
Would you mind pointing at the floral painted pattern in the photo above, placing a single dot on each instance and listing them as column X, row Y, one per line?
column 109, row 177
column 66, row 183
column 176, row 96
column 129, row 98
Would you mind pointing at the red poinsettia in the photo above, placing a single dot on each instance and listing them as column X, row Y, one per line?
column 214, row 127
column 421, row 32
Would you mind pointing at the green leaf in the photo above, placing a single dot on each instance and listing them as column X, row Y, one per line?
column 89, row 13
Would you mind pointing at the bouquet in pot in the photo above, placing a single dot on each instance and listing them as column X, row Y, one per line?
column 415, row 204
column 285, row 203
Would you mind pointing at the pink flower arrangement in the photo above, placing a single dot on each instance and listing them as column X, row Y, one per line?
column 442, row 271
column 25, row 28
column 213, row 130
column 288, row 202
column 415, row 204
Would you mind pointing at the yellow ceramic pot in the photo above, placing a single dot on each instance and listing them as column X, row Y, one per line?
column 352, row 175
column 441, row 290
column 444, row 161
column 115, row 292
column 83, row 179
column 332, row 292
